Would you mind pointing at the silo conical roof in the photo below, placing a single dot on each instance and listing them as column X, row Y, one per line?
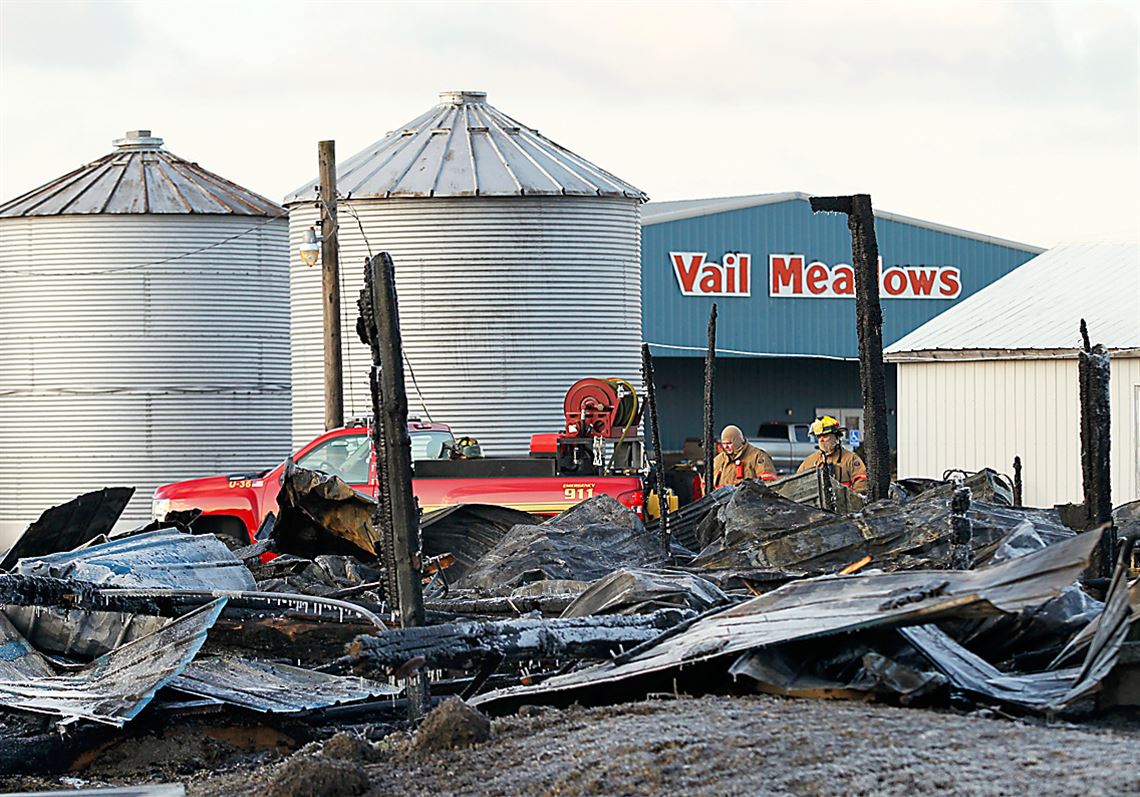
column 139, row 176
column 464, row 147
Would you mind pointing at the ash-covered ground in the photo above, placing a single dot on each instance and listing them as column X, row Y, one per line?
column 753, row 745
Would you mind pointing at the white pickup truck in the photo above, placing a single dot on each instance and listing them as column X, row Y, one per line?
column 788, row 444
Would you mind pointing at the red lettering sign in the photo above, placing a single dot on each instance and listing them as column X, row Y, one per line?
column 817, row 278
column 892, row 282
column 787, row 273
column 698, row 276
column 685, row 266
column 790, row 277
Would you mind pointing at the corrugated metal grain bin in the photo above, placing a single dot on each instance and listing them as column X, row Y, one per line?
column 517, row 268
column 144, row 313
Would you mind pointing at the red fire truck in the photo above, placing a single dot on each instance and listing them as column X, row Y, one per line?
column 598, row 452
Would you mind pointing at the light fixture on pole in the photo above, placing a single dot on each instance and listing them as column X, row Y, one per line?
column 311, row 249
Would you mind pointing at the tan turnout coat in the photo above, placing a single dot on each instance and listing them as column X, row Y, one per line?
column 849, row 469
column 748, row 463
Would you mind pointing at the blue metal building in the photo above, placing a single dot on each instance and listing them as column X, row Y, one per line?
column 781, row 278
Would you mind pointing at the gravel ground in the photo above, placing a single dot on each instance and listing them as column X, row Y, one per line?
column 757, row 745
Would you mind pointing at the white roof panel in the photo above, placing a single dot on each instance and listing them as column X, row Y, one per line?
column 1039, row 306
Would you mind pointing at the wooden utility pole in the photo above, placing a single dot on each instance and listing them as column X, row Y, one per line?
column 869, row 317
column 330, row 285
column 397, row 514
column 710, row 381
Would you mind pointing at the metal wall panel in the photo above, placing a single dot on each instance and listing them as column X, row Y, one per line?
column 1125, row 397
column 796, row 327
column 504, row 303
column 138, row 376
column 957, row 414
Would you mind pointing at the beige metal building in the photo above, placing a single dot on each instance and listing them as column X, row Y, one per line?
column 996, row 376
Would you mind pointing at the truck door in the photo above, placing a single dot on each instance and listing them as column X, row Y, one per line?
column 775, row 438
column 348, row 457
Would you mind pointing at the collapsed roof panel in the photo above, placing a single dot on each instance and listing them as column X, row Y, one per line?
column 71, row 524
column 115, row 687
column 829, row 605
column 274, row 688
column 166, row 558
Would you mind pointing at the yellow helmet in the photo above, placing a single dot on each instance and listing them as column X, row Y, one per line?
column 825, row 425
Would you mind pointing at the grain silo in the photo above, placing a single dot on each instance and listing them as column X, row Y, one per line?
column 144, row 322
column 517, row 267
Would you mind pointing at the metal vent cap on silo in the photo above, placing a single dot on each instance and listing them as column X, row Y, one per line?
column 464, row 147
column 139, row 176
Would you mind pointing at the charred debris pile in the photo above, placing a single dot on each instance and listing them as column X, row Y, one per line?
column 346, row 611
column 944, row 594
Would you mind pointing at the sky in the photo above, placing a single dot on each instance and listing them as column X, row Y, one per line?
column 1017, row 119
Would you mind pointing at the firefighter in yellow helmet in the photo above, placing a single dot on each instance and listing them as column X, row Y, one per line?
column 739, row 460
column 849, row 470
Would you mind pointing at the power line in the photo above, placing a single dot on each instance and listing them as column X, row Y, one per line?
column 138, row 266
column 368, row 245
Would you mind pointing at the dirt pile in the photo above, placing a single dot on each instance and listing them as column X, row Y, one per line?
column 451, row 724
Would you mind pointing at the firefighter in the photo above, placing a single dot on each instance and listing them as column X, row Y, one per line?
column 849, row 470
column 739, row 460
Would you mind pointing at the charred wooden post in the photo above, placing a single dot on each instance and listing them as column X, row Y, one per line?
column 1093, row 373
column 1017, row 487
column 466, row 645
column 709, row 446
column 872, row 379
column 397, row 513
column 961, row 527
column 658, row 473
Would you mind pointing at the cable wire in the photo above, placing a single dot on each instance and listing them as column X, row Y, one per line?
column 347, row 206
column 139, row 266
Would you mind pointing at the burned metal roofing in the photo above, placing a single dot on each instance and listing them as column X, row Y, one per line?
column 274, row 688
column 831, row 605
column 465, row 147
column 1038, row 307
column 112, row 689
column 139, row 176
column 166, row 558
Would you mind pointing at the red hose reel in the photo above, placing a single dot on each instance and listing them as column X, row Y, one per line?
column 601, row 408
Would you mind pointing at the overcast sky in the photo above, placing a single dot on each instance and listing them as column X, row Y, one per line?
column 1019, row 120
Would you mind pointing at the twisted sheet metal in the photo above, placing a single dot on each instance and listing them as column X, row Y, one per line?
column 115, row 687
column 274, row 688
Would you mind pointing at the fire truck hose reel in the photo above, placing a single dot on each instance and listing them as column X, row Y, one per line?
column 597, row 408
